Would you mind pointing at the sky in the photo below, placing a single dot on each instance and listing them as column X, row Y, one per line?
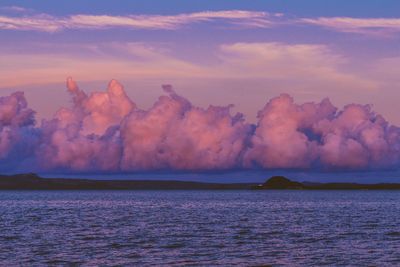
column 211, row 53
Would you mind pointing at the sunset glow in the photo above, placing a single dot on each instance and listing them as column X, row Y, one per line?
column 240, row 76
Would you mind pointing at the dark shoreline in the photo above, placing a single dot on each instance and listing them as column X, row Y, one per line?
column 32, row 181
column 283, row 183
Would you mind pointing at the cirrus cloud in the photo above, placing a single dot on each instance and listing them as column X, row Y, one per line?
column 380, row 26
column 307, row 65
column 48, row 23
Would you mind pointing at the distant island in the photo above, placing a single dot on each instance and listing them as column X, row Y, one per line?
column 31, row 181
column 283, row 183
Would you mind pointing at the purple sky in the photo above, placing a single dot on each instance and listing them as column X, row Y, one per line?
column 212, row 53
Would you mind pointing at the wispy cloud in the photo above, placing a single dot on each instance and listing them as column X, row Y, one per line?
column 119, row 60
column 290, row 65
column 303, row 64
column 27, row 20
column 357, row 25
column 44, row 23
column 49, row 23
column 16, row 9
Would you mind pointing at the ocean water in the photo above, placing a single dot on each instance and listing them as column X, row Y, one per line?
column 207, row 228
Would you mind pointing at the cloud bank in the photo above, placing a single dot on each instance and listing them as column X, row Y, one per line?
column 106, row 131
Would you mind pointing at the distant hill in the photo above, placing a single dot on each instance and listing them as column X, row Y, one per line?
column 279, row 182
column 283, row 183
column 31, row 181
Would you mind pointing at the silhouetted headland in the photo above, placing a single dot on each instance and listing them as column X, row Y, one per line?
column 283, row 183
column 32, row 181
column 279, row 182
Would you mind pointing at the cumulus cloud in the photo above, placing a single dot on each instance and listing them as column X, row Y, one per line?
column 86, row 136
column 173, row 134
column 18, row 137
column 284, row 137
column 289, row 135
column 106, row 131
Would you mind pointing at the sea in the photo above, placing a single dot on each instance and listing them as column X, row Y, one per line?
column 200, row 228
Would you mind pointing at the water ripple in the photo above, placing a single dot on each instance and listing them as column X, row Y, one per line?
column 178, row 228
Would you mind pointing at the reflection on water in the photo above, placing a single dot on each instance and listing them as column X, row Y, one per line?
column 200, row 227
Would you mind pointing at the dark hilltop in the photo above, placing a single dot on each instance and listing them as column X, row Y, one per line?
column 31, row 181
column 283, row 183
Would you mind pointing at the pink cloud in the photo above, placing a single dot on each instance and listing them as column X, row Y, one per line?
column 308, row 66
column 49, row 23
column 18, row 137
column 173, row 134
column 44, row 23
column 106, row 131
column 357, row 25
column 251, row 19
